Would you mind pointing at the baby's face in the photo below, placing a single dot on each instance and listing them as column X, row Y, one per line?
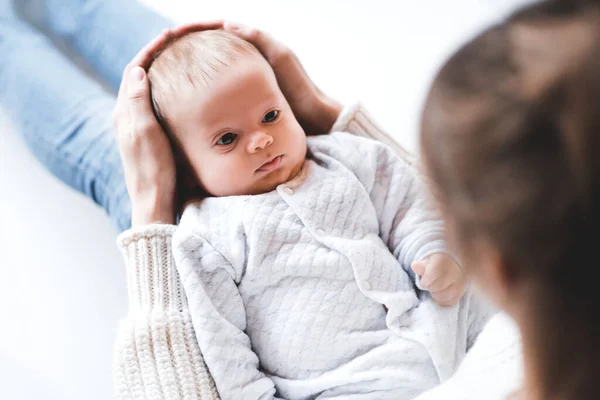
column 239, row 133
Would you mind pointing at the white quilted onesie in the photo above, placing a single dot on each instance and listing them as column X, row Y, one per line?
column 287, row 289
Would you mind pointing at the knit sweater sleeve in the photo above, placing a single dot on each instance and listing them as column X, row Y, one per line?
column 157, row 355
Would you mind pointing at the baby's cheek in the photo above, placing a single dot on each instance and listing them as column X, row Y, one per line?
column 224, row 178
column 208, row 174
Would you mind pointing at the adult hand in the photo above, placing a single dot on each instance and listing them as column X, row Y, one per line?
column 315, row 111
column 148, row 162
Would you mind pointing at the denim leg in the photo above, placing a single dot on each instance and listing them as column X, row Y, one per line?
column 63, row 116
column 106, row 33
column 7, row 9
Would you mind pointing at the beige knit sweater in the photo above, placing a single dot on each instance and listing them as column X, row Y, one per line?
column 157, row 355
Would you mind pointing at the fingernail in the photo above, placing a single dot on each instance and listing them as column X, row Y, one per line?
column 137, row 74
column 232, row 26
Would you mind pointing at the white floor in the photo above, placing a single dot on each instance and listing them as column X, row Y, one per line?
column 62, row 287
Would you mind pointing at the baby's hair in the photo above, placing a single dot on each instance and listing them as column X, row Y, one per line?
column 511, row 142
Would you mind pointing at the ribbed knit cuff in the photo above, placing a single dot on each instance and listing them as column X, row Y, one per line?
column 152, row 279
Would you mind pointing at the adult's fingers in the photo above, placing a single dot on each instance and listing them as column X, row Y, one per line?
column 265, row 43
column 144, row 56
column 197, row 26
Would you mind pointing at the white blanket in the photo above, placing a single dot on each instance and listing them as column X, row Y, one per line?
column 492, row 369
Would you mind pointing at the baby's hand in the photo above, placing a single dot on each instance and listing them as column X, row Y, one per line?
column 442, row 277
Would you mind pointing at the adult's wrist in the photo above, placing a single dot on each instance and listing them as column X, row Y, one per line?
column 152, row 210
column 330, row 110
column 151, row 217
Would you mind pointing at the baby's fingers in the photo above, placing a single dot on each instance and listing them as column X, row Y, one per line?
column 429, row 272
column 449, row 296
column 442, row 282
column 419, row 267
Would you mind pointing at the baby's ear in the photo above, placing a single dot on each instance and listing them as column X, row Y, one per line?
column 188, row 181
column 189, row 191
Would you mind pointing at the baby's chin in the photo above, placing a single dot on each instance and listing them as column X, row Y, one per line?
column 247, row 191
column 262, row 186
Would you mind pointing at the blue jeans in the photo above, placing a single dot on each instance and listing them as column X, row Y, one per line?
column 64, row 116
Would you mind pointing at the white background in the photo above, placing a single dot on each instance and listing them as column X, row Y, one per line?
column 62, row 287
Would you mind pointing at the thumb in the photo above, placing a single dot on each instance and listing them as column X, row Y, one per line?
column 419, row 267
column 138, row 96
column 137, row 85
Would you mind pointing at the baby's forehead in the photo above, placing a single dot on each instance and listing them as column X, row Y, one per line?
column 248, row 75
column 239, row 67
column 240, row 93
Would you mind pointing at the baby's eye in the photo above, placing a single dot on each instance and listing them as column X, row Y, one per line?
column 227, row 138
column 271, row 116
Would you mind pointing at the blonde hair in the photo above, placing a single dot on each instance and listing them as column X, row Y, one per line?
column 192, row 60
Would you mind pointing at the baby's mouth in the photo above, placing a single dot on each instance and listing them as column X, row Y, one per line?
column 270, row 164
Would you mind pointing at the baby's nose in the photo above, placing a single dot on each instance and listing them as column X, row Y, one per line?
column 259, row 141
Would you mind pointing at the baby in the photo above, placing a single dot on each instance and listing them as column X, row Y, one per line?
column 297, row 264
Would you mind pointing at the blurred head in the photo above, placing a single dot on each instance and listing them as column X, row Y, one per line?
column 511, row 142
column 231, row 128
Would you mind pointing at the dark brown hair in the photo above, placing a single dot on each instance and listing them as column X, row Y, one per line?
column 511, row 142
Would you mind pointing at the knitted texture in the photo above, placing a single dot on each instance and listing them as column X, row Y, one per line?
column 157, row 356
